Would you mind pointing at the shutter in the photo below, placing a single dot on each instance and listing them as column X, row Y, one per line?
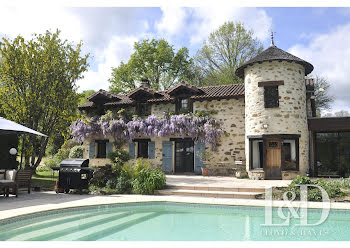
column 92, row 149
column 132, row 150
column 199, row 148
column 167, row 150
column 109, row 148
column 151, row 149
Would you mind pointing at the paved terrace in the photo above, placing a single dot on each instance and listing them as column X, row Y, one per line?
column 223, row 182
column 49, row 200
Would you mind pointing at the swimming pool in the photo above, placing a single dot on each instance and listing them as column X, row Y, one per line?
column 166, row 221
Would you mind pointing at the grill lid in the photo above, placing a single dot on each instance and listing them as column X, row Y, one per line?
column 75, row 162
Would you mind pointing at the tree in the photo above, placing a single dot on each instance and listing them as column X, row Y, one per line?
column 84, row 95
column 322, row 98
column 226, row 49
column 38, row 87
column 155, row 60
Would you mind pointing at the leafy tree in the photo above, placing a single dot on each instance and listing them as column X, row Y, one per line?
column 322, row 97
column 84, row 95
column 38, row 86
column 155, row 60
column 225, row 50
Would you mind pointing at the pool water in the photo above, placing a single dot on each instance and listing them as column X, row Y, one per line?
column 164, row 221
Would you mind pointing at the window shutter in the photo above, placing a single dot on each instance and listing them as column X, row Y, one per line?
column 92, row 149
column 109, row 147
column 132, row 150
column 199, row 148
column 151, row 149
column 167, row 163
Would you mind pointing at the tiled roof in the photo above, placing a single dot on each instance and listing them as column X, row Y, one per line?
column 274, row 53
column 104, row 93
column 186, row 86
column 206, row 93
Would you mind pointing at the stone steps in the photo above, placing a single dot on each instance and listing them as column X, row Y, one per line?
column 216, row 192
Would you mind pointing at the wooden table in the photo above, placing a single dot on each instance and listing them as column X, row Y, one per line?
column 6, row 185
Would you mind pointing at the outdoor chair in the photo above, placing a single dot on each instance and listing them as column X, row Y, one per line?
column 23, row 179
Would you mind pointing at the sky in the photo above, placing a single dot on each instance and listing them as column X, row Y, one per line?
column 318, row 35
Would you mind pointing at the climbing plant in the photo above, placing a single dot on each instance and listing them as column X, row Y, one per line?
column 200, row 128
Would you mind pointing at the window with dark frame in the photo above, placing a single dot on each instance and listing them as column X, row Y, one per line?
column 101, row 148
column 143, row 109
column 183, row 105
column 290, row 154
column 142, row 148
column 271, row 97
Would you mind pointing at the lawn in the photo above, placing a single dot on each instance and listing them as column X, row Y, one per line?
column 45, row 180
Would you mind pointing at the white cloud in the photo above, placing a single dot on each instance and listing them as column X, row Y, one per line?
column 329, row 53
column 29, row 20
column 173, row 21
column 118, row 50
column 198, row 23
column 209, row 19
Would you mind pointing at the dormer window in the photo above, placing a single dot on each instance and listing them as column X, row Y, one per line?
column 183, row 105
column 143, row 109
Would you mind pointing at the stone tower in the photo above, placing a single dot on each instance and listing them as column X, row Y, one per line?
column 276, row 129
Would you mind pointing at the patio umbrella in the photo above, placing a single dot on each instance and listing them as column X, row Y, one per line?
column 8, row 127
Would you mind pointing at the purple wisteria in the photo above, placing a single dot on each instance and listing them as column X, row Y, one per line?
column 203, row 129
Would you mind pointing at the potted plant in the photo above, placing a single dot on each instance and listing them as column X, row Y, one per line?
column 205, row 156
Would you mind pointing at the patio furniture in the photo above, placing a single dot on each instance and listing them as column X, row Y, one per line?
column 23, row 179
column 5, row 185
column 14, row 180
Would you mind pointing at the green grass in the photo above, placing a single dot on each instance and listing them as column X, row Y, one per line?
column 44, row 180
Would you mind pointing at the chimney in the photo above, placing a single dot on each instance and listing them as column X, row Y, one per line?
column 145, row 83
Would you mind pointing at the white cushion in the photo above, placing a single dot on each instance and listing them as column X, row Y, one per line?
column 10, row 174
column 2, row 176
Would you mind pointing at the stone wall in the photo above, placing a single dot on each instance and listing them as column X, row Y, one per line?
column 229, row 149
column 231, row 146
column 160, row 109
column 290, row 117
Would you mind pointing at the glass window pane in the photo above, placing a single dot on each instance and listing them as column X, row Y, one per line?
column 289, row 155
column 257, row 154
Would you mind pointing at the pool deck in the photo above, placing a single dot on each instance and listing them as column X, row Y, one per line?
column 49, row 200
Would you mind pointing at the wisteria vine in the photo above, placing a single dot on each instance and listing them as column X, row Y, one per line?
column 200, row 129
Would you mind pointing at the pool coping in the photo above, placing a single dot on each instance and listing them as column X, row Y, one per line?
column 119, row 199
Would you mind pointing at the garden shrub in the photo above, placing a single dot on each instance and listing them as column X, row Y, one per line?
column 63, row 152
column 101, row 176
column 112, row 183
column 138, row 178
column 118, row 157
column 76, row 152
column 147, row 181
column 332, row 187
column 52, row 162
column 123, row 183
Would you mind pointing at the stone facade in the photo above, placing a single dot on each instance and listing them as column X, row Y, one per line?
column 231, row 145
column 291, row 115
column 230, row 112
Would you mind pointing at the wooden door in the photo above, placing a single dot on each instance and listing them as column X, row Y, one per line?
column 273, row 159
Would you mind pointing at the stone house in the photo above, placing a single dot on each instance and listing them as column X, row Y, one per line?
column 266, row 121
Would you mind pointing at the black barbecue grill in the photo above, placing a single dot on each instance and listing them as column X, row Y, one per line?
column 74, row 174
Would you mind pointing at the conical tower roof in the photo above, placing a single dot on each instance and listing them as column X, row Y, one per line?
column 274, row 53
